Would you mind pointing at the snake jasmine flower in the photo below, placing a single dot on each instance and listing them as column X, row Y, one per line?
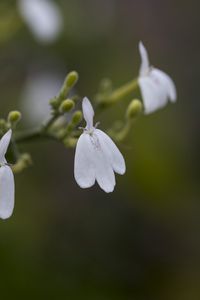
column 155, row 85
column 96, row 155
column 7, row 186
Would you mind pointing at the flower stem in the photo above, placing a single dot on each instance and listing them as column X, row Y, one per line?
column 119, row 93
column 32, row 135
column 49, row 122
column 37, row 133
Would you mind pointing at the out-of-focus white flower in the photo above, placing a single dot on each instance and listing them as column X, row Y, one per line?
column 7, row 185
column 39, row 88
column 43, row 18
column 96, row 157
column 156, row 86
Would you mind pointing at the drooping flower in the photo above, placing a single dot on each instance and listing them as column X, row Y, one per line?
column 43, row 18
column 7, row 186
column 96, row 157
column 156, row 86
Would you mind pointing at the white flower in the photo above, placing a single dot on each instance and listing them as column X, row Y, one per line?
column 7, row 186
column 43, row 18
column 96, row 157
column 39, row 87
column 156, row 86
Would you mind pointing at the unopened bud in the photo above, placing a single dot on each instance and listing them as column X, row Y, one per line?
column 134, row 109
column 66, row 106
column 26, row 158
column 2, row 124
column 54, row 103
column 72, row 79
column 14, row 117
column 22, row 163
column 70, row 142
column 77, row 117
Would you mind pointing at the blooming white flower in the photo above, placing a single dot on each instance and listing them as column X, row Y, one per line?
column 96, row 157
column 156, row 86
column 7, row 186
column 43, row 18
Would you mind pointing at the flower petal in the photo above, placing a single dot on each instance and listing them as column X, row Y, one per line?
column 88, row 112
column 144, row 67
column 91, row 163
column 7, row 192
column 114, row 155
column 103, row 168
column 154, row 93
column 83, row 164
column 167, row 82
column 4, row 143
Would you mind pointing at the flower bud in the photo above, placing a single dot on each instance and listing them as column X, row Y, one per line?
column 70, row 142
column 27, row 160
column 22, row 163
column 66, row 105
column 77, row 117
column 14, row 117
column 72, row 79
column 2, row 124
column 134, row 109
column 54, row 103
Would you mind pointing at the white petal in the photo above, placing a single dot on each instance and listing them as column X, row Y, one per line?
column 7, row 191
column 154, row 92
column 4, row 143
column 167, row 82
column 114, row 155
column 144, row 67
column 92, row 163
column 88, row 112
column 83, row 164
column 103, row 168
column 43, row 17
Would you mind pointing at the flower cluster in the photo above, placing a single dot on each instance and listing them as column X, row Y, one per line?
column 97, row 158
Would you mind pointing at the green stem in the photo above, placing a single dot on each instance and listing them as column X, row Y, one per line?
column 119, row 93
column 37, row 133
column 50, row 122
column 28, row 135
column 31, row 135
column 120, row 135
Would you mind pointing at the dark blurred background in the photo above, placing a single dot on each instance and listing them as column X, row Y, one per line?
column 142, row 241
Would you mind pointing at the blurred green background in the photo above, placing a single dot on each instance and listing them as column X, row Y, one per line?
column 142, row 241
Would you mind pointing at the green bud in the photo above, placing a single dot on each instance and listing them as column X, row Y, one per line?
column 70, row 142
column 134, row 109
column 72, row 79
column 2, row 124
column 77, row 117
column 66, row 105
column 26, row 158
column 14, row 117
column 54, row 103
column 22, row 163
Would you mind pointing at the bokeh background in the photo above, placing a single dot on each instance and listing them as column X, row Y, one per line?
column 142, row 241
